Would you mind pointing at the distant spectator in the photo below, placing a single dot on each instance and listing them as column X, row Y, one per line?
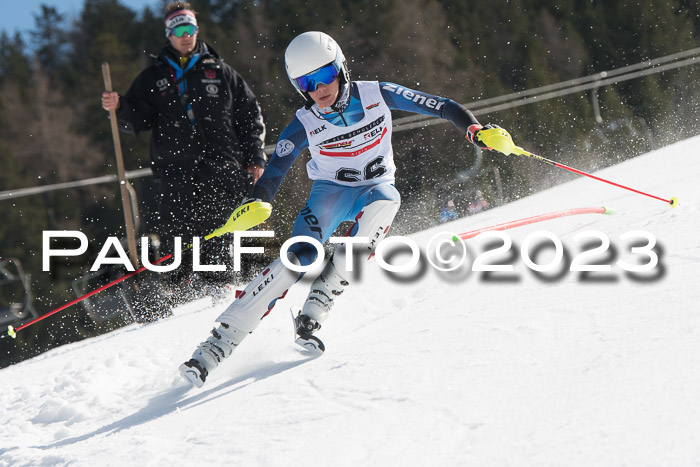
column 448, row 213
column 478, row 204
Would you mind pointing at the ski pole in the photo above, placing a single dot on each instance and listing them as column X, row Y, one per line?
column 12, row 332
column 243, row 218
column 500, row 140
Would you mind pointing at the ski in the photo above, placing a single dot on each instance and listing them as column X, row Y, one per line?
column 308, row 342
column 193, row 372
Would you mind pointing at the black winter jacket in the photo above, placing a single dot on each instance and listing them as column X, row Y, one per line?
column 228, row 132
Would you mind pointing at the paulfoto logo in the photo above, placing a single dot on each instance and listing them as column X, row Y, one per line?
column 542, row 252
column 636, row 253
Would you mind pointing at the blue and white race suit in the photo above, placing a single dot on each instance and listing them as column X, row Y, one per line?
column 352, row 159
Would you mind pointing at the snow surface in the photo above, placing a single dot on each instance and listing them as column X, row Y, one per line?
column 433, row 369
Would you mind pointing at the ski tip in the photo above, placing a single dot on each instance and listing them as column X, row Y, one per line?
column 192, row 374
column 11, row 332
column 608, row 211
column 673, row 202
column 311, row 344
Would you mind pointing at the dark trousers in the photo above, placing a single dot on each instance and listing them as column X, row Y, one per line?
column 195, row 202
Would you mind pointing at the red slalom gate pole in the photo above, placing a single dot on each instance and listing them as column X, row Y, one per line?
column 533, row 219
column 12, row 332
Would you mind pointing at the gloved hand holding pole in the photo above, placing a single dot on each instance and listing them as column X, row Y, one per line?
column 501, row 141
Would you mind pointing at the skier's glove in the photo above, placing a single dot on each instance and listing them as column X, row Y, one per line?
column 473, row 134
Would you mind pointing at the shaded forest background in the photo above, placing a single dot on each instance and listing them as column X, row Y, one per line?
column 52, row 128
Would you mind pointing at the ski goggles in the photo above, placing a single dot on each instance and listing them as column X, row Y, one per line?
column 324, row 75
column 179, row 31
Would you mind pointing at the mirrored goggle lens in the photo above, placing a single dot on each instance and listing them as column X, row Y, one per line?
column 180, row 31
column 325, row 75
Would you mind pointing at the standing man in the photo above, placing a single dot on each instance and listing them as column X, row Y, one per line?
column 207, row 138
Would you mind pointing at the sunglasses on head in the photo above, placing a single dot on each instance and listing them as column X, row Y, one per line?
column 180, row 31
column 324, row 75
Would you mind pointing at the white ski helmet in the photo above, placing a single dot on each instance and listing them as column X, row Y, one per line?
column 310, row 51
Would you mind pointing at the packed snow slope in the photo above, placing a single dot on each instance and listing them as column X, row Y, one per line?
column 427, row 368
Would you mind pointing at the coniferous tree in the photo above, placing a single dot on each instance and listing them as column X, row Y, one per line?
column 52, row 126
column 47, row 38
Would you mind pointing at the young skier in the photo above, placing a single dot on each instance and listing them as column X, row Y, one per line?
column 346, row 125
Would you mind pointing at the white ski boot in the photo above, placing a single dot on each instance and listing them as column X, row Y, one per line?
column 324, row 289
column 240, row 319
column 304, row 327
column 210, row 353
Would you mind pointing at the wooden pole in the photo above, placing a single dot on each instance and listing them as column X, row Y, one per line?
column 124, row 185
